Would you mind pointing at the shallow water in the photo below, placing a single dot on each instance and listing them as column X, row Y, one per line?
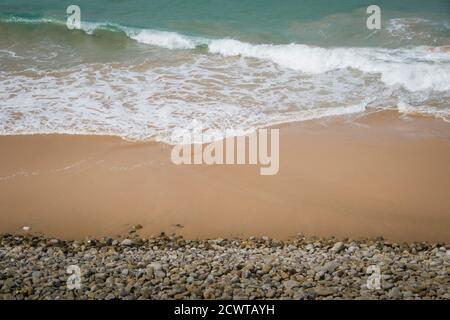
column 141, row 69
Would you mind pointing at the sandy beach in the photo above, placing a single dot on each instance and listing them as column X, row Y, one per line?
column 358, row 176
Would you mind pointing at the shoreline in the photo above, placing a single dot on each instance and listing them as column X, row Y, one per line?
column 377, row 174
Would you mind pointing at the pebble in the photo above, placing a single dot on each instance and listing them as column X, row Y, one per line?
column 170, row 267
column 323, row 291
column 338, row 247
column 290, row 284
column 395, row 293
column 127, row 242
column 109, row 296
column 330, row 266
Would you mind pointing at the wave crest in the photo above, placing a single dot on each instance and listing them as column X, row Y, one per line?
column 416, row 68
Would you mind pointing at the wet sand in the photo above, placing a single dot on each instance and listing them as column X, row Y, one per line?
column 361, row 176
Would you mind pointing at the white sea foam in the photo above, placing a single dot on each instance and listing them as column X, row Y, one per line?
column 413, row 27
column 235, row 85
column 424, row 110
column 416, row 69
column 163, row 39
column 151, row 103
column 168, row 40
column 221, row 93
column 8, row 53
column 419, row 68
column 14, row 19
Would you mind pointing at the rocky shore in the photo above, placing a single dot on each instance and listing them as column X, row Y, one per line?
column 170, row 267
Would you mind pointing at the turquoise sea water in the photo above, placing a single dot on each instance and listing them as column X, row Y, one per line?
column 341, row 22
column 139, row 69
